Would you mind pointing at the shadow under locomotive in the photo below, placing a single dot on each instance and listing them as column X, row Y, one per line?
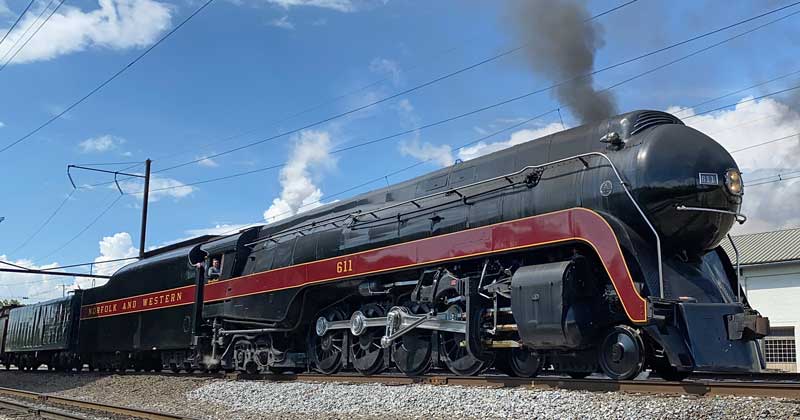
column 593, row 249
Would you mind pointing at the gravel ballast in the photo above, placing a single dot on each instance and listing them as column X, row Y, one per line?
column 209, row 398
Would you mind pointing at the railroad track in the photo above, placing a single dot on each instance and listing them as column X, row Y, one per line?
column 700, row 387
column 42, row 405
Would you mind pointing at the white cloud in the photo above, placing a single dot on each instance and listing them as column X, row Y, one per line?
column 388, row 68
column 114, row 247
column 517, row 137
column 310, row 155
column 207, row 162
column 35, row 287
column 116, row 24
column 218, row 229
column 442, row 155
column 160, row 187
column 282, row 23
column 338, row 5
column 100, row 144
column 770, row 206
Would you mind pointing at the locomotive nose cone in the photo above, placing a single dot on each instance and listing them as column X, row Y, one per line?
column 680, row 168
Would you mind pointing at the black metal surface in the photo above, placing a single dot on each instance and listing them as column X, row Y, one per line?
column 45, row 326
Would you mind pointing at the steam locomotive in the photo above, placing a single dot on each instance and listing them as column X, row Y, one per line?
column 595, row 249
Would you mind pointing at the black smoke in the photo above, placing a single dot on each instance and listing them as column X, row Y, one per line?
column 560, row 44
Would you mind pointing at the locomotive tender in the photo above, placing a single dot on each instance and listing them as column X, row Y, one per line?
column 595, row 249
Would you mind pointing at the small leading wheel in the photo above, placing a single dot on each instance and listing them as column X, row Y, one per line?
column 621, row 354
column 365, row 349
column 326, row 353
column 524, row 363
column 452, row 347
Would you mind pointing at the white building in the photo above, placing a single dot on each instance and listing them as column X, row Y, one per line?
column 770, row 263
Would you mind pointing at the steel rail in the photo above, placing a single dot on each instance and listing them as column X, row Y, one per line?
column 699, row 387
column 51, row 413
column 41, row 412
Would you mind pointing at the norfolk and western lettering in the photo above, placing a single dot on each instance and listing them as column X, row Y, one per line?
column 157, row 300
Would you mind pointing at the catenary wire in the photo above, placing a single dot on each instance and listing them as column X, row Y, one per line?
column 66, row 199
column 108, row 80
column 85, row 228
column 16, row 22
column 25, row 32
column 766, row 82
column 360, row 89
column 398, row 171
column 462, row 115
column 506, row 52
column 45, row 223
column 41, row 25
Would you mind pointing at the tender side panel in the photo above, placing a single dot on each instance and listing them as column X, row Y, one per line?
column 121, row 316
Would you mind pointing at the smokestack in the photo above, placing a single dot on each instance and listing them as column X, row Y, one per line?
column 561, row 44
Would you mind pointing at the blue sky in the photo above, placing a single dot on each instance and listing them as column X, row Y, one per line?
column 245, row 66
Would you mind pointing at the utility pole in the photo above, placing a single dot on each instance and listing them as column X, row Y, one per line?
column 144, row 206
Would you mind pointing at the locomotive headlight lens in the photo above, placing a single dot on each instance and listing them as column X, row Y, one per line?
column 733, row 181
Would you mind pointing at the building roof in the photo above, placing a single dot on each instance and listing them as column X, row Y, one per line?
column 766, row 247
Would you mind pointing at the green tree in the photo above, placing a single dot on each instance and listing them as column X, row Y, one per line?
column 8, row 302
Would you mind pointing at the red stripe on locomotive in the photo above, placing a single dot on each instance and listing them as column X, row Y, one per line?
column 577, row 224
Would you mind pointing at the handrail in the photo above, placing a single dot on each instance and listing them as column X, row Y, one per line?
column 507, row 177
column 738, row 270
column 740, row 218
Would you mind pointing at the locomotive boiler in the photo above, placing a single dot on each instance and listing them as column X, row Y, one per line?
column 595, row 249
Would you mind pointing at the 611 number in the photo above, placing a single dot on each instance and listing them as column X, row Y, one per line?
column 345, row 266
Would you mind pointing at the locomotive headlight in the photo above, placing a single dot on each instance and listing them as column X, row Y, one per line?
column 733, row 181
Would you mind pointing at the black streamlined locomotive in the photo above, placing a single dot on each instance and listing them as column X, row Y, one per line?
column 593, row 249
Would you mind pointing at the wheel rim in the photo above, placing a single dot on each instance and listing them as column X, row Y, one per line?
column 412, row 353
column 456, row 356
column 621, row 355
column 326, row 351
column 365, row 349
column 524, row 363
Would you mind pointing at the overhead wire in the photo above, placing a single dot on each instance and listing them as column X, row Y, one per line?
column 484, row 108
column 14, row 25
column 85, row 228
column 45, row 223
column 372, row 84
column 766, row 82
column 25, row 32
column 398, row 171
column 52, row 12
column 506, row 52
column 65, row 201
column 108, row 80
